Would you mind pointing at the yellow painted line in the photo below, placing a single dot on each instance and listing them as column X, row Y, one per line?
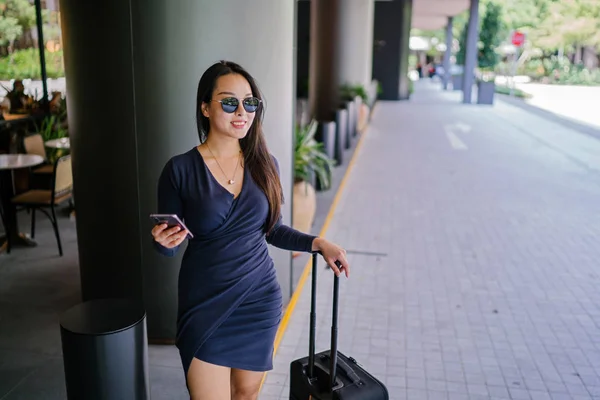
column 292, row 304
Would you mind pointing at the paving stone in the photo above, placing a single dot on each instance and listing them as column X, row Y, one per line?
column 486, row 286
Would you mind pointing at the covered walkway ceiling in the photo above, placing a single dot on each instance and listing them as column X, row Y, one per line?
column 433, row 14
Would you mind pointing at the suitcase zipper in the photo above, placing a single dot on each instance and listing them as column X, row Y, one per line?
column 368, row 374
column 354, row 361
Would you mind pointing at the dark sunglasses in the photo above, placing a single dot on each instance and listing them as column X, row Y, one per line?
column 230, row 104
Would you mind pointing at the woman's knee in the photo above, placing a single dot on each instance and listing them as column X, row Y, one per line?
column 245, row 385
column 248, row 392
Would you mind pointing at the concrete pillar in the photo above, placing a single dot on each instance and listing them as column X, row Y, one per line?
column 132, row 73
column 356, row 44
column 471, row 51
column 447, row 54
column 303, row 48
column 390, row 56
column 405, row 22
column 341, row 50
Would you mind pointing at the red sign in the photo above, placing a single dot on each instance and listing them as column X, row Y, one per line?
column 518, row 38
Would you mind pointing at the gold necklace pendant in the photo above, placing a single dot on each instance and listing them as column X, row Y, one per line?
column 232, row 180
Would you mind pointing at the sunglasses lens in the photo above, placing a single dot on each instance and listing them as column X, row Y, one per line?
column 229, row 104
column 251, row 104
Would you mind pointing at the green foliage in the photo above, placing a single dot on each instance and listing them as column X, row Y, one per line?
column 52, row 128
column 310, row 157
column 21, row 10
column 17, row 27
column 489, row 36
column 559, row 70
column 10, row 30
column 570, row 23
column 25, row 64
column 516, row 92
column 462, row 51
column 439, row 34
column 550, row 26
column 523, row 14
column 578, row 75
column 349, row 92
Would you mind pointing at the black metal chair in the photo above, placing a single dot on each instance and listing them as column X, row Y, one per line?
column 36, row 199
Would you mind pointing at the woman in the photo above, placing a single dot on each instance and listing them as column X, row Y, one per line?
column 229, row 194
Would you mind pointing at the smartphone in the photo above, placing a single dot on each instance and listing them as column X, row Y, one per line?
column 171, row 220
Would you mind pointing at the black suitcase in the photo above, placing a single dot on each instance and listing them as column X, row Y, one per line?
column 330, row 375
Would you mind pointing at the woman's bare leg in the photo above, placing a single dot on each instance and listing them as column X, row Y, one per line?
column 207, row 381
column 245, row 384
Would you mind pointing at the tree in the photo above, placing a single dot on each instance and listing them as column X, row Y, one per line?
column 489, row 36
column 462, row 51
column 570, row 24
column 24, row 12
column 550, row 25
column 10, row 30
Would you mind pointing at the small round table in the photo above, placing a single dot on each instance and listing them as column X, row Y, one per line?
column 62, row 143
column 9, row 163
column 14, row 117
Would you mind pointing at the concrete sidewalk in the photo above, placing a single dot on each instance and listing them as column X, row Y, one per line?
column 472, row 233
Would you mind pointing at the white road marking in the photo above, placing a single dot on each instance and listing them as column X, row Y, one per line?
column 455, row 141
column 462, row 127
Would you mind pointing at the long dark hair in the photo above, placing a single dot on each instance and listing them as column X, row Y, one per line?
column 257, row 158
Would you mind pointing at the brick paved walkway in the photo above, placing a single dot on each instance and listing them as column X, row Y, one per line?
column 487, row 284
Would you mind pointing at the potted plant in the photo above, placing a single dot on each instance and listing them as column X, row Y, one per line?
column 357, row 93
column 349, row 93
column 310, row 164
column 486, row 87
column 51, row 128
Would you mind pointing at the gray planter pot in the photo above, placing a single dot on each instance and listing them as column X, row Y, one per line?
column 485, row 92
column 341, row 122
column 457, row 82
column 351, row 123
column 302, row 112
column 348, row 106
column 326, row 135
column 357, row 105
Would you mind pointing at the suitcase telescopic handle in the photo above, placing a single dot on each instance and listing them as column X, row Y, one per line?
column 334, row 330
column 334, row 324
column 313, row 301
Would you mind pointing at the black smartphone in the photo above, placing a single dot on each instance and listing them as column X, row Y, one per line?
column 171, row 220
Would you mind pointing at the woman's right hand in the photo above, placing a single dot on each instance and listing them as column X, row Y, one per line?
column 168, row 238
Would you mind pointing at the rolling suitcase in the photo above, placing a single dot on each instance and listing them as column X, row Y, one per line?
column 331, row 375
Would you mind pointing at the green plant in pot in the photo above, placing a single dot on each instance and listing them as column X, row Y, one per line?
column 50, row 129
column 349, row 93
column 310, row 157
column 310, row 160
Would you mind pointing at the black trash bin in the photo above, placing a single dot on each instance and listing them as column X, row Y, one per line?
column 105, row 350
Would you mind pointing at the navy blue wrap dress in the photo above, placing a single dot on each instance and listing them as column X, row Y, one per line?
column 230, row 302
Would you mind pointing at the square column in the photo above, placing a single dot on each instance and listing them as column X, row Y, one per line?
column 390, row 55
column 341, row 51
column 471, row 51
column 132, row 74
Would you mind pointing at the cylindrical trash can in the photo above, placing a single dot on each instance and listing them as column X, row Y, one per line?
column 105, row 350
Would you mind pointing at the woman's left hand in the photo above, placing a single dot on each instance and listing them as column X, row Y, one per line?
column 333, row 253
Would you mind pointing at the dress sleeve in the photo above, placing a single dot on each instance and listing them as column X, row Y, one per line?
column 169, row 201
column 288, row 238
